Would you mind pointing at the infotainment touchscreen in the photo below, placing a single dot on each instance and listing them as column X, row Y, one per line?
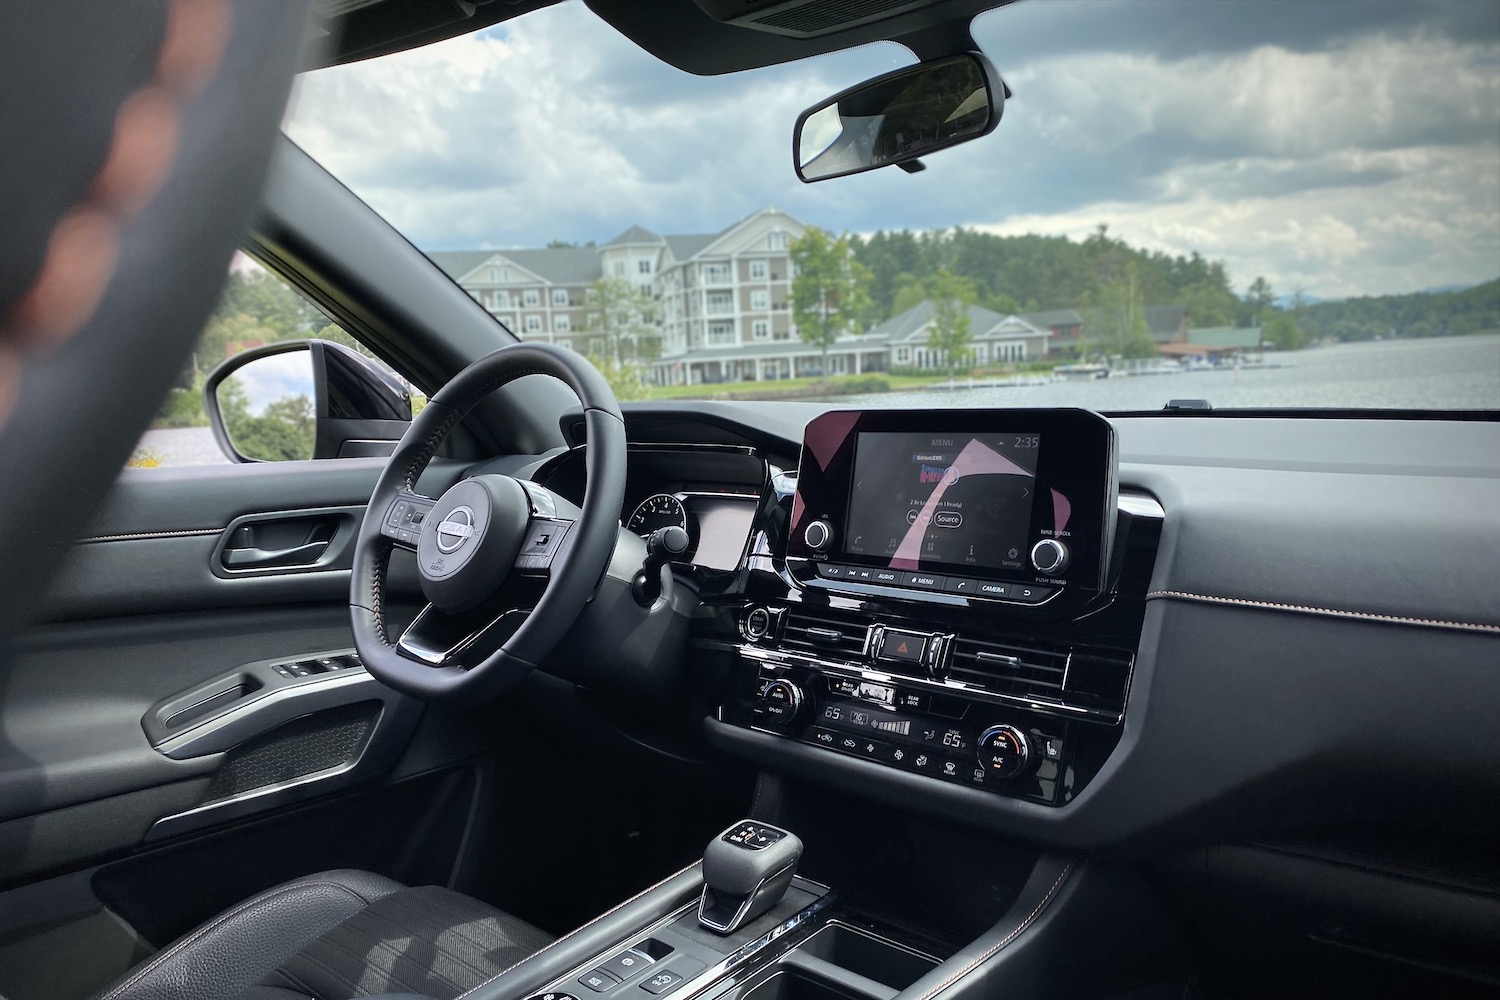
column 951, row 500
column 963, row 501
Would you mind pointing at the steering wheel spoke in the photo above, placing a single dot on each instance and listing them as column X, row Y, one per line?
column 438, row 639
column 402, row 519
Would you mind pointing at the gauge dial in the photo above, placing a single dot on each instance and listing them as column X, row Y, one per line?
column 660, row 511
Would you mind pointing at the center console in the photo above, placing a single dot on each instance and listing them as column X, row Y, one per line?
column 955, row 595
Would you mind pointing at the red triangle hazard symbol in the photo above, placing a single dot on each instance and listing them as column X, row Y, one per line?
column 901, row 648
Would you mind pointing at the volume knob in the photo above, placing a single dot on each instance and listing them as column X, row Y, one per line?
column 818, row 536
column 1049, row 556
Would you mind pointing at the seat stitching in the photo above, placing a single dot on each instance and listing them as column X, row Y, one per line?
column 573, row 933
column 395, row 954
column 438, row 904
column 390, row 973
column 220, row 921
column 411, row 932
column 1331, row 612
column 1015, row 932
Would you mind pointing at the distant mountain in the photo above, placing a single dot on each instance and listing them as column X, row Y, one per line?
column 1288, row 301
column 1462, row 286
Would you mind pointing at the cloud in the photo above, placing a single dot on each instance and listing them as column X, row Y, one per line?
column 1310, row 142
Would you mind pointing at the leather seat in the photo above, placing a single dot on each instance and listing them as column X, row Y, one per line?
column 335, row 936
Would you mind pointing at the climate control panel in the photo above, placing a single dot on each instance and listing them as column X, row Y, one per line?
column 964, row 741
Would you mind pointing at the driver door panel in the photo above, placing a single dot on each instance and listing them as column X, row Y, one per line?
column 146, row 627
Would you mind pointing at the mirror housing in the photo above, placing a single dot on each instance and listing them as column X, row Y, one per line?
column 899, row 116
column 305, row 399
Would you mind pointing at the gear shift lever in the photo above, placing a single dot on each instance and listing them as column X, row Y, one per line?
column 746, row 870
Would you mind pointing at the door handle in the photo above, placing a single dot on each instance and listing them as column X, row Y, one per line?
column 297, row 555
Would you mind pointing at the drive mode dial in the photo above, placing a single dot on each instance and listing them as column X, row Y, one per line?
column 1049, row 556
column 818, row 536
column 1004, row 751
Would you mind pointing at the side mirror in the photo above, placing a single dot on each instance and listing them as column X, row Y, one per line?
column 898, row 117
column 305, row 399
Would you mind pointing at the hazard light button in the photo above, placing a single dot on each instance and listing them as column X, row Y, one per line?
column 903, row 647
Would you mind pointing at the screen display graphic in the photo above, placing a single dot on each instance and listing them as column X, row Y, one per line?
column 919, row 500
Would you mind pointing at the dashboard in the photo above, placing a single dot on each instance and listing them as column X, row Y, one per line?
column 1295, row 620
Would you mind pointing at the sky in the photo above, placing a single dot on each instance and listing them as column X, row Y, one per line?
column 1337, row 148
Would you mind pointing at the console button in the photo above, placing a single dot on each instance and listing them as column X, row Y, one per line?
column 599, row 981
column 1052, row 748
column 664, row 981
column 829, row 571
column 859, row 573
column 919, row 761
column 912, row 700
column 962, row 585
column 1030, row 593
column 885, row 576
column 923, row 581
column 902, row 647
column 626, row 965
column 988, row 589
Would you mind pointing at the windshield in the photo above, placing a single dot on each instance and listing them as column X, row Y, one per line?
column 1298, row 208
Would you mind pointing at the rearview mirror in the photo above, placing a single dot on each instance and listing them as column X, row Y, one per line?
column 898, row 117
column 298, row 400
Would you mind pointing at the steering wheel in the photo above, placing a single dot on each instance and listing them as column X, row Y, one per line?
column 506, row 566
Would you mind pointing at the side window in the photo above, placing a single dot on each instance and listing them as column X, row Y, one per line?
column 257, row 308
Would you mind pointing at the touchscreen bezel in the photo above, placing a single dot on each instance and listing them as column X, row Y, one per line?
column 1076, row 457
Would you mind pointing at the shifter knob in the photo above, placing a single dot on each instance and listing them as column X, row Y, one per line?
column 746, row 870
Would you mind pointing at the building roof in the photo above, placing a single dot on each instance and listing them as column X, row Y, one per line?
column 685, row 246
column 1047, row 319
column 910, row 323
column 559, row 265
column 1165, row 322
column 774, row 349
column 635, row 234
column 1226, row 337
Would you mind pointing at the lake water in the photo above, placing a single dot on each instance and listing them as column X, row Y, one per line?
column 1440, row 373
column 1448, row 373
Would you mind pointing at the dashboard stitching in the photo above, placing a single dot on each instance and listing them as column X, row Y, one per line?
column 543, row 950
column 990, row 952
column 1332, row 612
column 144, row 535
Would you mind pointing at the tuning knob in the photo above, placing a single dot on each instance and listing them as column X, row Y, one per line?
column 1049, row 556
column 780, row 702
column 1004, row 751
column 818, row 536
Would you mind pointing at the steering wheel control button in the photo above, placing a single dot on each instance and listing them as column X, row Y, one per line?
column 661, row 981
column 541, row 545
column 1003, row 751
column 897, row 646
column 818, row 536
column 1049, row 556
column 599, row 981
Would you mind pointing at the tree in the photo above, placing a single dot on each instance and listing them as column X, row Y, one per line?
column 830, row 294
column 949, row 334
column 619, row 323
column 1118, row 322
column 1261, row 298
column 1282, row 331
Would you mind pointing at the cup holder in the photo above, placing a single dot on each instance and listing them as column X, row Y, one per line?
column 866, row 955
column 790, row 984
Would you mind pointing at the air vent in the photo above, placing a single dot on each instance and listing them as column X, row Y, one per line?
column 825, row 633
column 1090, row 679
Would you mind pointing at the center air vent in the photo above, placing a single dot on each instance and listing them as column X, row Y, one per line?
column 825, row 633
column 1089, row 679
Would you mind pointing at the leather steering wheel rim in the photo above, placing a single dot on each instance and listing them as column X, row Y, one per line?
column 577, row 570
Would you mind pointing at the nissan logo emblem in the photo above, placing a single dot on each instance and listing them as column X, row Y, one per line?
column 455, row 529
